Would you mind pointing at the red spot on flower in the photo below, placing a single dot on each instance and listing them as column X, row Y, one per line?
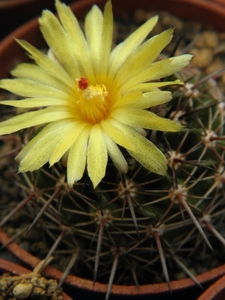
column 83, row 83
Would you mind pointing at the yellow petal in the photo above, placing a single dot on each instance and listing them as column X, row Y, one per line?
column 47, row 64
column 98, row 30
column 128, row 98
column 59, row 43
column 118, row 132
column 30, row 88
column 143, row 57
column 37, row 152
column 34, row 118
column 148, row 86
column 106, row 41
column 148, row 155
column 159, row 70
column 97, row 156
column 37, row 74
column 77, row 158
column 75, row 36
column 116, row 155
column 93, row 29
column 70, row 137
column 35, row 102
column 147, row 100
column 144, row 151
column 152, row 99
column 122, row 51
column 145, row 119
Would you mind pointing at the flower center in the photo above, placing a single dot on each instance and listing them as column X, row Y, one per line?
column 93, row 101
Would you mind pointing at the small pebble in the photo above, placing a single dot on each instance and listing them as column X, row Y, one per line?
column 216, row 64
column 22, row 290
column 201, row 57
column 208, row 38
column 180, row 275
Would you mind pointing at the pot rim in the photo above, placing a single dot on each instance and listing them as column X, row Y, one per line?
column 214, row 292
column 196, row 11
column 22, row 32
column 86, row 284
column 6, row 4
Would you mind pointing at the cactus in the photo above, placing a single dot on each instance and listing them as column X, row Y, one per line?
column 136, row 228
column 135, row 225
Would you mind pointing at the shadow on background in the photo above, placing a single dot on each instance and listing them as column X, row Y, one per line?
column 14, row 13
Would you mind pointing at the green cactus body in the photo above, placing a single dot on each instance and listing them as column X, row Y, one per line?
column 142, row 220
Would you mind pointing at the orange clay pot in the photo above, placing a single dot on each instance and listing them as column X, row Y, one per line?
column 204, row 11
column 74, row 285
column 14, row 13
column 215, row 292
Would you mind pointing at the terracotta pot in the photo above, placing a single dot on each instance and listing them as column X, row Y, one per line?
column 14, row 13
column 79, row 286
column 14, row 269
column 215, row 292
column 200, row 11
column 220, row 2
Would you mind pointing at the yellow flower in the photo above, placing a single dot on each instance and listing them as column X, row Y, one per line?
column 94, row 99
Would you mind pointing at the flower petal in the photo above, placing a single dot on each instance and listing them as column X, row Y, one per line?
column 76, row 39
column 152, row 99
column 147, row 100
column 99, row 30
column 118, row 132
column 116, row 155
column 30, row 88
column 127, row 98
column 121, row 52
column 143, row 57
column 34, row 118
column 35, row 102
column 38, row 151
column 93, row 28
column 47, row 64
column 144, row 151
column 145, row 119
column 70, row 137
column 97, row 156
column 37, row 74
column 148, row 155
column 158, row 70
column 148, row 86
column 77, row 158
column 59, row 43
column 106, row 42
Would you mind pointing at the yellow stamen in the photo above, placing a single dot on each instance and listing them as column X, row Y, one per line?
column 93, row 101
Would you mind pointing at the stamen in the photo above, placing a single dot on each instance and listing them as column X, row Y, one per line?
column 92, row 100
